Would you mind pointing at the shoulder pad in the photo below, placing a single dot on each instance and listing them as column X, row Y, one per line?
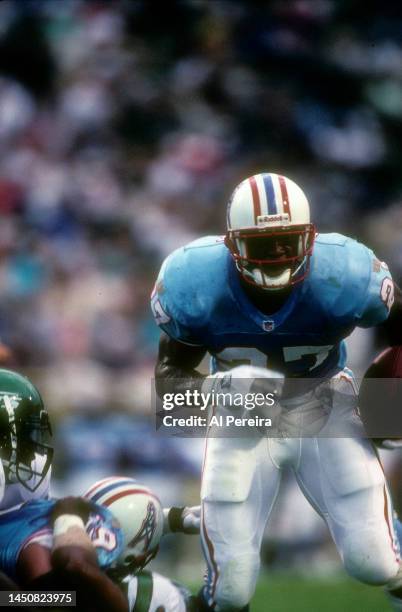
column 340, row 275
column 333, row 238
column 187, row 287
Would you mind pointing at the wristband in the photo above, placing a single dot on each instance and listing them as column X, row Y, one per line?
column 63, row 523
column 175, row 519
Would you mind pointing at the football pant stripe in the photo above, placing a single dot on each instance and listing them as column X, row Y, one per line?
column 387, row 515
column 392, row 535
column 213, row 567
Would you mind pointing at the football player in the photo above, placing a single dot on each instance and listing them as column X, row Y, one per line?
column 25, row 450
column 137, row 509
column 65, row 545
column 98, row 545
column 32, row 525
column 26, row 512
column 272, row 293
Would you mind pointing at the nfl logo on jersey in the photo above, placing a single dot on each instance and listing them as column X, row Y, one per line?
column 268, row 325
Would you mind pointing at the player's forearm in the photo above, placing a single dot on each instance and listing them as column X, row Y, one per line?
column 166, row 369
column 169, row 375
column 74, row 557
column 94, row 588
column 177, row 364
column 99, row 589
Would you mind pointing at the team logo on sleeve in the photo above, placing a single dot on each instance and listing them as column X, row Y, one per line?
column 387, row 292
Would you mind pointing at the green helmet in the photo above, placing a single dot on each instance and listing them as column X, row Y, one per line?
column 24, row 431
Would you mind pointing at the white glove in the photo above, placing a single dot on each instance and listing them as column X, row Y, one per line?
column 390, row 443
column 191, row 518
column 242, row 380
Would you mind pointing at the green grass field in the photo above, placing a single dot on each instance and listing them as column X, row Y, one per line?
column 286, row 594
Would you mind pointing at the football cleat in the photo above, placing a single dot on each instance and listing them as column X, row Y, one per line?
column 139, row 513
column 269, row 233
column 25, row 432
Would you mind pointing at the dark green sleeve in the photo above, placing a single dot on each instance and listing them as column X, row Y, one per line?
column 144, row 592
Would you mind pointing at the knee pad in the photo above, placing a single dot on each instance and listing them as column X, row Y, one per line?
column 368, row 556
column 236, row 582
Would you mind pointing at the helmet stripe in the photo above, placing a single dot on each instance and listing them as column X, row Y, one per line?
column 256, row 197
column 114, row 485
column 270, row 192
column 121, row 494
column 98, row 484
column 285, row 197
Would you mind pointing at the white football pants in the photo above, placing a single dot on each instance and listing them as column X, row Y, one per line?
column 343, row 480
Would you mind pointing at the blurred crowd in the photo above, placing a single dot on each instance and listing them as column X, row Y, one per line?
column 124, row 126
column 123, row 130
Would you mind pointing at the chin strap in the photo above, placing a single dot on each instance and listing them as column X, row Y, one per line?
column 260, row 279
column 257, row 278
column 272, row 283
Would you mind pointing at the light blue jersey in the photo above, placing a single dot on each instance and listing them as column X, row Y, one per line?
column 31, row 522
column 198, row 299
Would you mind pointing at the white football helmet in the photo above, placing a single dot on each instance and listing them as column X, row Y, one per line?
column 140, row 514
column 269, row 232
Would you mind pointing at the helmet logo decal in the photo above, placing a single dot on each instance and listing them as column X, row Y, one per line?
column 9, row 408
column 268, row 325
column 147, row 529
column 264, row 220
column 12, row 462
column 25, row 443
column 10, row 403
